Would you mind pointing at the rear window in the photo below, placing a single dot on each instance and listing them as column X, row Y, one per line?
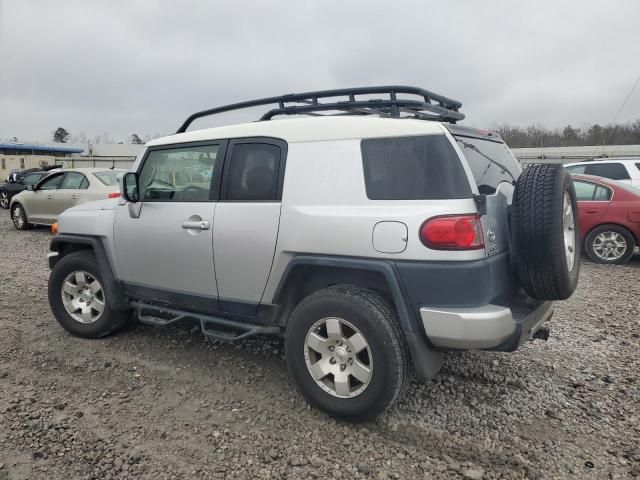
column 614, row 171
column 110, row 178
column 491, row 162
column 413, row 168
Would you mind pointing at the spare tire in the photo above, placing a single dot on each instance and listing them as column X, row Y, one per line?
column 545, row 236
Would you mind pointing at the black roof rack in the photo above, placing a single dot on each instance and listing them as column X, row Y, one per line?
column 430, row 106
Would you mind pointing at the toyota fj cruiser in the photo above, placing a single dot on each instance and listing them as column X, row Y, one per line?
column 374, row 235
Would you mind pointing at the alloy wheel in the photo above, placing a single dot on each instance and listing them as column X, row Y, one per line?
column 83, row 297
column 338, row 357
column 609, row 246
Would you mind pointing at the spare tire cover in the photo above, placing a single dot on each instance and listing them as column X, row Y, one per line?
column 545, row 235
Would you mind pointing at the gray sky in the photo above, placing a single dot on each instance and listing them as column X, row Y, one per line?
column 134, row 66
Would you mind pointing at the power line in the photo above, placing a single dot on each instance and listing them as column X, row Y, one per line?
column 613, row 123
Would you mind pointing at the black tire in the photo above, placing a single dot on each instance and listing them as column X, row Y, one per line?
column 109, row 321
column 376, row 320
column 538, row 245
column 4, row 199
column 593, row 235
column 19, row 217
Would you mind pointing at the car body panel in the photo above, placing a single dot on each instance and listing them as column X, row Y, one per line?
column 43, row 205
column 622, row 209
column 600, row 168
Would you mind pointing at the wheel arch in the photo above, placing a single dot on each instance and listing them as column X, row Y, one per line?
column 306, row 274
column 64, row 244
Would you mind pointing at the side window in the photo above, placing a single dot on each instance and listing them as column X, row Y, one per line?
column 614, row 171
column 253, row 172
column 584, row 190
column 50, row 183
column 602, row 194
column 638, row 166
column 576, row 168
column 75, row 181
column 31, row 179
column 182, row 174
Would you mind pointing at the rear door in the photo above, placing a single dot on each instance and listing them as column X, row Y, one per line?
column 247, row 220
column 71, row 192
column 593, row 201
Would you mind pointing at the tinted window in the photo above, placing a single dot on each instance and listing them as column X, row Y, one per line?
column 50, row 183
column 179, row 174
column 587, row 191
column 253, row 172
column 413, row 168
column 576, row 168
column 638, row 166
column 110, row 178
column 32, row 179
column 75, row 181
column 602, row 194
column 615, row 171
column 491, row 163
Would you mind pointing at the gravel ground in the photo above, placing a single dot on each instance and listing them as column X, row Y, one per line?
column 170, row 404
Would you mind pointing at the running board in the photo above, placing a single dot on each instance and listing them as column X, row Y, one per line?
column 216, row 327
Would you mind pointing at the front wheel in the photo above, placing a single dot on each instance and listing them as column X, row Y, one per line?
column 610, row 244
column 79, row 298
column 346, row 352
column 19, row 217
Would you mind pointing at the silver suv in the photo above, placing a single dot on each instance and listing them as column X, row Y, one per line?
column 374, row 236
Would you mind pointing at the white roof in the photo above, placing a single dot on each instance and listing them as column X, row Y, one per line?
column 313, row 129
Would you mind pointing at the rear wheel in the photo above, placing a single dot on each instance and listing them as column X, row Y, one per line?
column 4, row 200
column 346, row 352
column 79, row 298
column 19, row 217
column 610, row 244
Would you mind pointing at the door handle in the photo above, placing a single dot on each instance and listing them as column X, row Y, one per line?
column 593, row 211
column 49, row 196
column 196, row 225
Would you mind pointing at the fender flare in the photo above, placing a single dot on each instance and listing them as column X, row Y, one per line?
column 426, row 359
column 117, row 299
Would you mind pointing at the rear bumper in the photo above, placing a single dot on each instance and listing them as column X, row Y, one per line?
column 488, row 327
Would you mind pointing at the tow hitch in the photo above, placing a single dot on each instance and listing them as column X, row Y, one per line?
column 541, row 334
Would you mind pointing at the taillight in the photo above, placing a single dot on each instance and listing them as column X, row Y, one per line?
column 114, row 195
column 460, row 232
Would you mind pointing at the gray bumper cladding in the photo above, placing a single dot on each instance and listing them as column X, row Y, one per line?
column 484, row 327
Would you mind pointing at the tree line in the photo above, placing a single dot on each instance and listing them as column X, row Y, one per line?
column 570, row 136
column 61, row 135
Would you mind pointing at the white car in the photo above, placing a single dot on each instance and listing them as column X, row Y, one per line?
column 624, row 170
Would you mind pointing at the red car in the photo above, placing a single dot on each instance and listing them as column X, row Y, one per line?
column 609, row 214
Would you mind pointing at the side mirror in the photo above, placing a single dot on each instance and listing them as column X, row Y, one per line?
column 129, row 187
column 29, row 187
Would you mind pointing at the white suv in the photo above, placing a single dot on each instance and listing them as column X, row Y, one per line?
column 625, row 170
column 374, row 236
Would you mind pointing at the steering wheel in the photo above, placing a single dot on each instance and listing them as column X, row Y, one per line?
column 191, row 192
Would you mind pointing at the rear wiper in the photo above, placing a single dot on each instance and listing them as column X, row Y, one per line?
column 504, row 169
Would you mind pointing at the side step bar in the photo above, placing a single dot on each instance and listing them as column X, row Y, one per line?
column 219, row 328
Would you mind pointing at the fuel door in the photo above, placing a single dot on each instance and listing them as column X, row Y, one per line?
column 390, row 237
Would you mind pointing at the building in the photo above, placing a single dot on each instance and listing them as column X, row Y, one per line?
column 24, row 155
column 32, row 155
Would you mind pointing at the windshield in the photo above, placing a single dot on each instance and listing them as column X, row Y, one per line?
column 108, row 178
column 491, row 162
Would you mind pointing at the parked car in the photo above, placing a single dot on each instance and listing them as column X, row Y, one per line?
column 624, row 170
column 609, row 213
column 22, row 179
column 372, row 244
column 42, row 202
